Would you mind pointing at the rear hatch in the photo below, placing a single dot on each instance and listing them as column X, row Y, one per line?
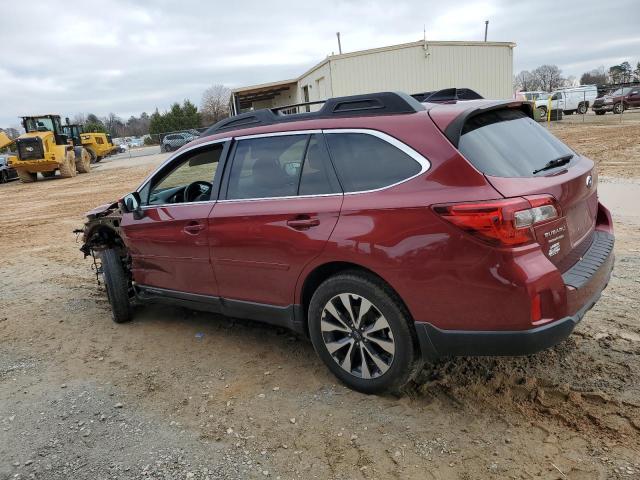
column 512, row 151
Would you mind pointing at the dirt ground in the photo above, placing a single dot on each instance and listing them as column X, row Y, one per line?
column 177, row 394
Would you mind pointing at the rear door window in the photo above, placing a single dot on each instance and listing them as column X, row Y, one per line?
column 508, row 143
column 267, row 167
column 365, row 162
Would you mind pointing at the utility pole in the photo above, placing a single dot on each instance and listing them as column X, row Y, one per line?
column 339, row 44
column 486, row 28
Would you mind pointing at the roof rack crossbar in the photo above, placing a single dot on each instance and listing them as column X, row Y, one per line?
column 382, row 103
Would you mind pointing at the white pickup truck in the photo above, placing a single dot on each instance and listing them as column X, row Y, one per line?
column 569, row 100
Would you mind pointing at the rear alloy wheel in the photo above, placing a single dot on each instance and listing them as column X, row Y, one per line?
column 542, row 112
column 582, row 109
column 618, row 108
column 362, row 333
column 27, row 177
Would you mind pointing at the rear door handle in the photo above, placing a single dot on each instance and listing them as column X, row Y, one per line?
column 193, row 228
column 302, row 223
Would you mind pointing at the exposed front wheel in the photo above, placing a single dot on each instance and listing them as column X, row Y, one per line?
column 117, row 285
column 363, row 333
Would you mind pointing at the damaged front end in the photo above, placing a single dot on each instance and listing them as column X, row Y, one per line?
column 102, row 231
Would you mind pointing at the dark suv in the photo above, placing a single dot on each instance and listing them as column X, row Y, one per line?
column 618, row 101
column 387, row 230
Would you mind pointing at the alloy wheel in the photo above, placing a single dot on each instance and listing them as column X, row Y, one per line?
column 357, row 336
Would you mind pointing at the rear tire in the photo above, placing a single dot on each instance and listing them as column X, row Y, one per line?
column 93, row 158
column 68, row 167
column 375, row 354
column 618, row 108
column 117, row 286
column 582, row 108
column 83, row 161
column 26, row 177
column 542, row 114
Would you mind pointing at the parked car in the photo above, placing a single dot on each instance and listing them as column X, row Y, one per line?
column 388, row 231
column 618, row 101
column 6, row 171
column 569, row 100
column 176, row 140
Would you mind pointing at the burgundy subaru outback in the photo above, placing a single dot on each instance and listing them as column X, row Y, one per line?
column 388, row 230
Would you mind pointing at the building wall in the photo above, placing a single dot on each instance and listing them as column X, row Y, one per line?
column 319, row 82
column 488, row 69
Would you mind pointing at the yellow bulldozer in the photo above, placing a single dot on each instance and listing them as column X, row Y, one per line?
column 98, row 145
column 45, row 149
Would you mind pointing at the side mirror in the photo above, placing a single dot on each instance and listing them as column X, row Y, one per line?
column 131, row 204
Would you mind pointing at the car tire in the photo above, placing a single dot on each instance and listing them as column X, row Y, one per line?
column 542, row 114
column 167, row 148
column 583, row 108
column 3, row 177
column 618, row 108
column 26, row 177
column 379, row 353
column 117, row 285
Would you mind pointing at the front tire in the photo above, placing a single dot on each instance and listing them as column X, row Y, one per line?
column 618, row 108
column 363, row 333
column 26, row 177
column 117, row 285
column 582, row 108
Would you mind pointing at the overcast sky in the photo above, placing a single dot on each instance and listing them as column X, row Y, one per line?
column 132, row 56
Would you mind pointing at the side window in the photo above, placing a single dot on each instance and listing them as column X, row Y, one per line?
column 99, row 140
column 266, row 167
column 365, row 162
column 318, row 177
column 195, row 170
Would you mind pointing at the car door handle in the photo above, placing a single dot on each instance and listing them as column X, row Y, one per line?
column 302, row 223
column 193, row 228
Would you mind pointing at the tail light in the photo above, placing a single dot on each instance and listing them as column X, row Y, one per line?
column 505, row 222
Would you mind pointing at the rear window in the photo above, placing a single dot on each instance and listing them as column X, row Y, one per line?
column 508, row 143
column 364, row 162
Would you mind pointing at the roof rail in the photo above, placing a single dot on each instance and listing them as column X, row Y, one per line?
column 448, row 95
column 382, row 103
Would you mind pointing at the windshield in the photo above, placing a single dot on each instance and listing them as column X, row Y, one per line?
column 621, row 91
column 508, row 143
column 40, row 124
column 543, row 96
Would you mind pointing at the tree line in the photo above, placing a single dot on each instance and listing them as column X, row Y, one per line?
column 549, row 77
column 214, row 106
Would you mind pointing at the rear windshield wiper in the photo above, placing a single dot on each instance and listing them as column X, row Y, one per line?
column 556, row 162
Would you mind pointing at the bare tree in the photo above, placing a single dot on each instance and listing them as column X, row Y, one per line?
column 525, row 81
column 597, row 76
column 215, row 103
column 549, row 77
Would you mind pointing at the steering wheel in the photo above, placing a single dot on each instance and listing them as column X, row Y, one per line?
column 196, row 191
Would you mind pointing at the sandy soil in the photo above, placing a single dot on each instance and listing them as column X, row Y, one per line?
column 177, row 394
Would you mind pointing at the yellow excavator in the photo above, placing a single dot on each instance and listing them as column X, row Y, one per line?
column 98, row 145
column 44, row 148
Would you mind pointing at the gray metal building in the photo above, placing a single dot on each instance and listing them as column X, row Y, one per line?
column 486, row 67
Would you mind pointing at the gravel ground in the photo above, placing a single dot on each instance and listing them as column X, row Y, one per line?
column 177, row 394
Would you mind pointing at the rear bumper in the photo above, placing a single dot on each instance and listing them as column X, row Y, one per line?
column 592, row 280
